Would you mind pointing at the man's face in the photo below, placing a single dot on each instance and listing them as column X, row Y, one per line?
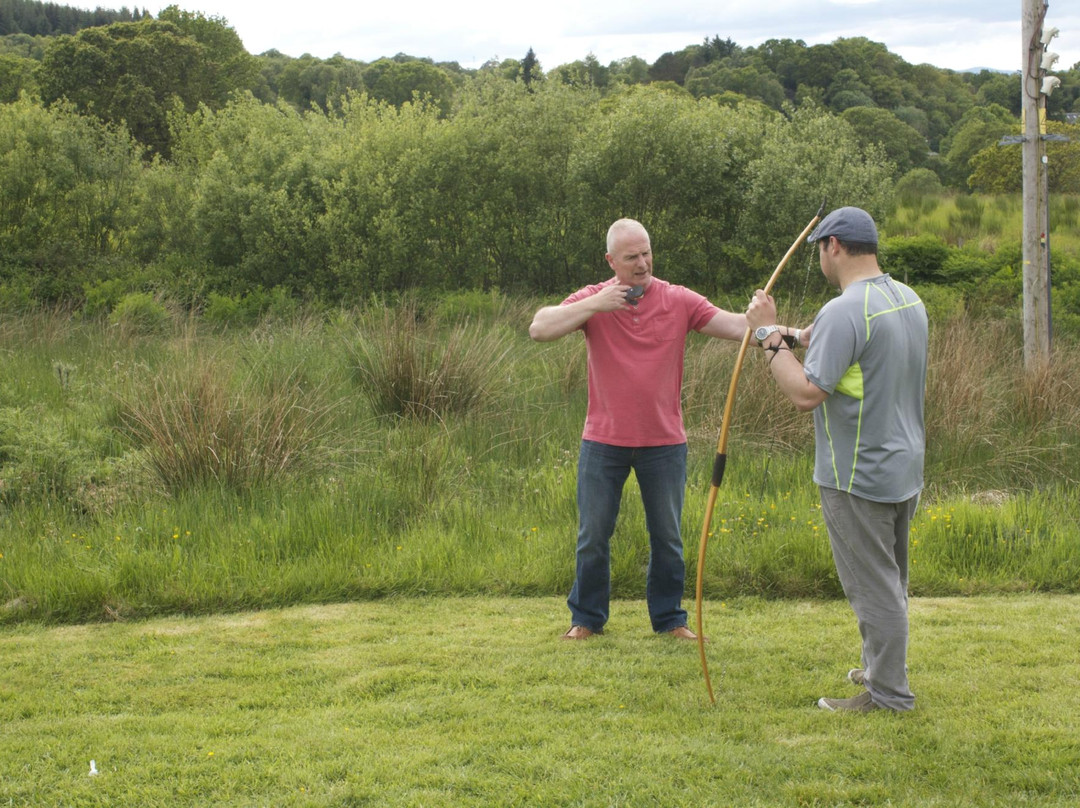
column 631, row 258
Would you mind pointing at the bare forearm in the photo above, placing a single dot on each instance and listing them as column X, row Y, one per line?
column 553, row 322
column 726, row 325
column 784, row 366
column 790, row 377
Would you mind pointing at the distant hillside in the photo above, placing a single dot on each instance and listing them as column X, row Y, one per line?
column 988, row 69
column 51, row 19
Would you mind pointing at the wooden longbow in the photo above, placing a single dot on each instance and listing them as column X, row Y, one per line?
column 721, row 454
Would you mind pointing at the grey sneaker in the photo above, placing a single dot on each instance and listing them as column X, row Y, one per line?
column 857, row 676
column 862, row 703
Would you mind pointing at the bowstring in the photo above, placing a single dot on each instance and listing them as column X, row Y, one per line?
column 806, row 278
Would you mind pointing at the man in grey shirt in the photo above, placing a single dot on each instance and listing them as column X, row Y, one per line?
column 864, row 377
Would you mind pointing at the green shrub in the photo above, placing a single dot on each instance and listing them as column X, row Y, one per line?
column 222, row 310
column 1066, row 295
column 918, row 185
column 1066, row 322
column 140, row 313
column 914, row 259
column 103, row 297
column 250, row 307
column 15, row 295
column 943, row 303
column 964, row 265
column 278, row 303
column 998, row 295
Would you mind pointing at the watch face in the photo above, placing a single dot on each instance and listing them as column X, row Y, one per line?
column 761, row 333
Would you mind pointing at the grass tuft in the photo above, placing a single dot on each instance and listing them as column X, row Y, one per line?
column 412, row 368
column 198, row 423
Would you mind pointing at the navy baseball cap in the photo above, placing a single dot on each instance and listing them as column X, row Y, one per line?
column 847, row 224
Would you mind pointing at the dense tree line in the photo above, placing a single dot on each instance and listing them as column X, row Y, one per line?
column 514, row 191
column 158, row 152
column 51, row 19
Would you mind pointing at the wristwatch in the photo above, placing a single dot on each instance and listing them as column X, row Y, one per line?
column 762, row 333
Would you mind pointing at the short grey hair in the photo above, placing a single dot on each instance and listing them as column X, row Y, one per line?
column 621, row 226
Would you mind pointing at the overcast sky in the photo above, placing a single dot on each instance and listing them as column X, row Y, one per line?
column 955, row 34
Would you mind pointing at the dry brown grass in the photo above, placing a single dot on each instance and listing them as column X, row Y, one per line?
column 1048, row 396
column 991, row 423
column 964, row 385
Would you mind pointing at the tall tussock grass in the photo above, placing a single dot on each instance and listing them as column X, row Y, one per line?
column 1047, row 395
column 411, row 366
column 760, row 417
column 986, row 220
column 206, row 420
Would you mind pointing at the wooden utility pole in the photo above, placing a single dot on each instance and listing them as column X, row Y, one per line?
column 1036, row 224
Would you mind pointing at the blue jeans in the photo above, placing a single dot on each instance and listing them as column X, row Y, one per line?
column 661, row 476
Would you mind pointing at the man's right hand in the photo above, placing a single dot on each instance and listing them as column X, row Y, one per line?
column 553, row 322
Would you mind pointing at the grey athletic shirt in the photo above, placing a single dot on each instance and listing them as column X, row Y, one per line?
column 868, row 351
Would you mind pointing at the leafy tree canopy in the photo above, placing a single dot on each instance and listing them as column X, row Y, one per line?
column 133, row 73
column 902, row 144
column 399, row 81
column 979, row 128
column 997, row 169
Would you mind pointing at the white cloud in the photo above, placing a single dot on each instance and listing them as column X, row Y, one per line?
column 955, row 35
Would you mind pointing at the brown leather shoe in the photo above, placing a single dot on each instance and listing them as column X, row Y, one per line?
column 682, row 633
column 579, row 633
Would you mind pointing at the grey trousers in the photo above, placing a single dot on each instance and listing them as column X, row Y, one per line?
column 870, row 548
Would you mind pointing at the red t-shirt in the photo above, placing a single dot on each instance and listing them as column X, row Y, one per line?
column 636, row 365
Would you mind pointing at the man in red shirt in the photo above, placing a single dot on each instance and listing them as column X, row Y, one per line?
column 635, row 328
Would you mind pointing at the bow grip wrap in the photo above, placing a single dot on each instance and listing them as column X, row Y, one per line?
column 718, row 469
